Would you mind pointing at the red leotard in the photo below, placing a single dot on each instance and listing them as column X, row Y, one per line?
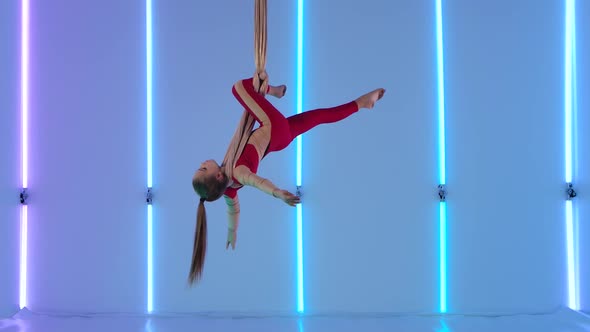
column 275, row 131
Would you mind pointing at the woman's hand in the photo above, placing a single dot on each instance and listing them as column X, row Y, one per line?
column 286, row 197
column 232, row 237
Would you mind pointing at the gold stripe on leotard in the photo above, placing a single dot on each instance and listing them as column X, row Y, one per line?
column 261, row 137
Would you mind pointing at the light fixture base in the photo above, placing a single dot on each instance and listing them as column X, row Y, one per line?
column 442, row 192
column 24, row 196
column 149, row 196
column 570, row 192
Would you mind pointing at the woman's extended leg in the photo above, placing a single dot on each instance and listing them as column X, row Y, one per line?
column 284, row 130
column 305, row 121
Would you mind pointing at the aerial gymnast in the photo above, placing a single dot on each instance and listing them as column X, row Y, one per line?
column 248, row 147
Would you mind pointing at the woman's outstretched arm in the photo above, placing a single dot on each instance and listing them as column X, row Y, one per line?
column 247, row 177
column 233, row 213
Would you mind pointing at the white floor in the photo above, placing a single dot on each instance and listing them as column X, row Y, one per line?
column 563, row 320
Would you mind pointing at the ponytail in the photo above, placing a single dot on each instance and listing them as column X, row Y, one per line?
column 200, row 244
column 210, row 190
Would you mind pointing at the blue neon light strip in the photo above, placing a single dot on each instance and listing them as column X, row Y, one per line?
column 568, row 88
column 441, row 159
column 150, row 272
column 24, row 148
column 300, row 300
column 441, row 94
column 571, row 265
column 570, row 109
column 443, row 256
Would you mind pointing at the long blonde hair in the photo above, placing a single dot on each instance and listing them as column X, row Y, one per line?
column 210, row 189
column 199, row 245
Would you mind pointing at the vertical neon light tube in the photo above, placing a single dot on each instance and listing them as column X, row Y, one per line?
column 24, row 147
column 150, row 272
column 300, row 325
column 441, row 160
column 444, row 327
column 570, row 109
column 300, row 300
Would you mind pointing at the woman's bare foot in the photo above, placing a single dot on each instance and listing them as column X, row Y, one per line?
column 277, row 91
column 368, row 100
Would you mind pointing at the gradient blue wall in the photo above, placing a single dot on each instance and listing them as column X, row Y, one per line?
column 369, row 182
column 200, row 50
column 370, row 208
column 9, row 154
column 505, row 116
column 87, row 156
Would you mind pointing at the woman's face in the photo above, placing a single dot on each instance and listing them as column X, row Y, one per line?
column 207, row 169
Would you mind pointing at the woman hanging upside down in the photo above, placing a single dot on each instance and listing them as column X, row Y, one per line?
column 275, row 132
